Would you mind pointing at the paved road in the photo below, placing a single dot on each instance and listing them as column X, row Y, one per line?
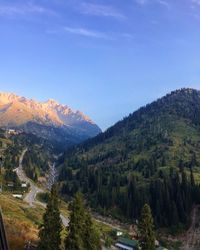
column 30, row 197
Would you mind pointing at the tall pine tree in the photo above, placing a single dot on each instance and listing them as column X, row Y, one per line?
column 92, row 240
column 146, row 229
column 82, row 234
column 74, row 240
column 49, row 233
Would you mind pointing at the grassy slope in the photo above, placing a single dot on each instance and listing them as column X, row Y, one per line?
column 21, row 221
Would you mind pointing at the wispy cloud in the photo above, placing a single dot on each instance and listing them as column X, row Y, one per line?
column 86, row 32
column 164, row 3
column 194, row 3
column 9, row 10
column 100, row 10
column 141, row 2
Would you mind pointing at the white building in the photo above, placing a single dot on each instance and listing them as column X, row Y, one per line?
column 24, row 185
column 19, row 196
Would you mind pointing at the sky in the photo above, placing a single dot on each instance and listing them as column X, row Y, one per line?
column 103, row 57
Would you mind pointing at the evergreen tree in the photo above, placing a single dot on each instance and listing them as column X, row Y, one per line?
column 92, row 239
column 49, row 233
column 75, row 238
column 146, row 229
column 192, row 181
column 174, row 214
column 82, row 233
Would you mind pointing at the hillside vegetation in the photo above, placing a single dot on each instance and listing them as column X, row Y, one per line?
column 40, row 153
column 21, row 221
column 151, row 156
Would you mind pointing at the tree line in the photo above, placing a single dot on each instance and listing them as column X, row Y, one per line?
column 171, row 195
column 81, row 231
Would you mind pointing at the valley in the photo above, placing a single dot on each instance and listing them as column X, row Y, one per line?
column 151, row 156
column 100, row 125
column 34, row 190
column 21, row 210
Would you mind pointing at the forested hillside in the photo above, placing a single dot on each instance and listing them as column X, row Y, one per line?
column 151, row 156
column 21, row 221
column 40, row 153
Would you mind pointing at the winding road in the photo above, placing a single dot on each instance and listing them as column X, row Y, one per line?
column 31, row 197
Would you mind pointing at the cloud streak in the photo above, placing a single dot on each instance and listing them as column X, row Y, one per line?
column 195, row 2
column 141, row 2
column 164, row 3
column 19, row 10
column 86, row 32
column 101, row 10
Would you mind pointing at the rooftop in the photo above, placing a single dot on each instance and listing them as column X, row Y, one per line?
column 128, row 242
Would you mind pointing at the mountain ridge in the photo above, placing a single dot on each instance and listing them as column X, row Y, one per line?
column 17, row 112
column 120, row 124
column 11, row 98
column 146, row 153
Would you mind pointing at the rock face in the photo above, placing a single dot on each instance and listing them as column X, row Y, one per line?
column 47, row 119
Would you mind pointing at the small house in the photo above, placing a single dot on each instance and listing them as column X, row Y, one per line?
column 10, row 184
column 126, row 244
column 24, row 185
column 11, row 132
column 119, row 233
column 19, row 196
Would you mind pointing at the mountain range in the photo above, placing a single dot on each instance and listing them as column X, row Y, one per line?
column 49, row 119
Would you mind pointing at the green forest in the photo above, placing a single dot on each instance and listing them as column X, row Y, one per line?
column 152, row 156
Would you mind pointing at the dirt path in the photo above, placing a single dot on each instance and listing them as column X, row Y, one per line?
column 115, row 224
column 191, row 240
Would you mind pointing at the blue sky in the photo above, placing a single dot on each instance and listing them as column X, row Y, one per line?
column 103, row 57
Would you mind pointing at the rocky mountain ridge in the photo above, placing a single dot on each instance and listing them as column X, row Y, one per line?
column 20, row 112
